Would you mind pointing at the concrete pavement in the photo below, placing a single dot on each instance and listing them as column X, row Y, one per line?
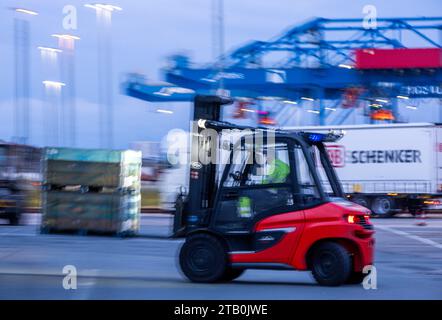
column 408, row 262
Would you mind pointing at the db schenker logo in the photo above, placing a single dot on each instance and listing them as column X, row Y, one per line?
column 337, row 155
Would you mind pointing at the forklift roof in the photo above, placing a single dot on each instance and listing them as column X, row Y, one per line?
column 311, row 137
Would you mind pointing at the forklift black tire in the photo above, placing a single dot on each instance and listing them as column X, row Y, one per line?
column 356, row 278
column 232, row 274
column 203, row 258
column 331, row 264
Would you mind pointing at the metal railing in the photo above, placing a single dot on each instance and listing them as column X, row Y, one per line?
column 408, row 187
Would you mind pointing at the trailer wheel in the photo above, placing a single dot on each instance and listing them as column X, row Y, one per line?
column 331, row 264
column 416, row 211
column 383, row 206
column 203, row 258
column 361, row 200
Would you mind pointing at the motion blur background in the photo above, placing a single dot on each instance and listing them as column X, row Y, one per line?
column 144, row 33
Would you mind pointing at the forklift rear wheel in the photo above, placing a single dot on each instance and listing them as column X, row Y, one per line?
column 232, row 274
column 203, row 258
column 331, row 264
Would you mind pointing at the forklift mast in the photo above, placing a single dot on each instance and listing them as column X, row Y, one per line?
column 202, row 180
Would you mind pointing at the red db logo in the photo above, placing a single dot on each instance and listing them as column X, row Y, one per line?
column 337, row 155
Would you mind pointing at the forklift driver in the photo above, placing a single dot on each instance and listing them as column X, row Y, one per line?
column 271, row 170
column 278, row 171
column 270, row 167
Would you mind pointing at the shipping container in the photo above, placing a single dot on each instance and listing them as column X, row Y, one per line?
column 399, row 58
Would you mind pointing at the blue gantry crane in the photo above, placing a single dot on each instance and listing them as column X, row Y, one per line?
column 312, row 65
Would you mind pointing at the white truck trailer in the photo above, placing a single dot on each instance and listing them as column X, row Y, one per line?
column 389, row 168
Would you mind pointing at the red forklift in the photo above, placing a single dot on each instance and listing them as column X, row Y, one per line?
column 275, row 204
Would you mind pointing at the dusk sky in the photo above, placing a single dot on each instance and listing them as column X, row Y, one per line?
column 144, row 33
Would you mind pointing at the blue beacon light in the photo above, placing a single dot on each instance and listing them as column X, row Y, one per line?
column 316, row 137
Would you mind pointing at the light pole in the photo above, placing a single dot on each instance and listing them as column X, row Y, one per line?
column 52, row 117
column 68, row 115
column 22, row 63
column 49, row 60
column 104, row 21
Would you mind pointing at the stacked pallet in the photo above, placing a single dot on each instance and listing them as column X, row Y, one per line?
column 91, row 191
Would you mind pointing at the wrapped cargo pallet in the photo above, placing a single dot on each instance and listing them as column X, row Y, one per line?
column 91, row 190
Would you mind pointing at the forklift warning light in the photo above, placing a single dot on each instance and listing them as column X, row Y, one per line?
column 331, row 136
column 316, row 137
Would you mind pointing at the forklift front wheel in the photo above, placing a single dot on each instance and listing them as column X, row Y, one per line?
column 331, row 264
column 203, row 258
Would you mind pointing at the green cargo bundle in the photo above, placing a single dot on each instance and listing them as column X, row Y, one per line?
column 92, row 212
column 91, row 191
column 95, row 168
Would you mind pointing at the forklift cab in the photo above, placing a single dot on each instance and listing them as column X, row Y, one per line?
column 268, row 179
column 254, row 210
